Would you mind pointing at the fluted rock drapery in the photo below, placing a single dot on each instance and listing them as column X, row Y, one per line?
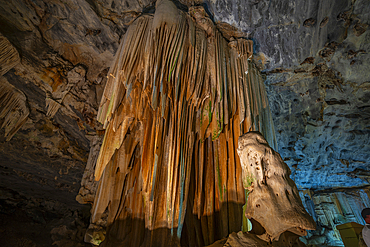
column 177, row 98
column 13, row 107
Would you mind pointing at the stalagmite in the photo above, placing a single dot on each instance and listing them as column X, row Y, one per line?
column 273, row 205
column 177, row 98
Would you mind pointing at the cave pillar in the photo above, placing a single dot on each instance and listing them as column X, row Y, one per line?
column 178, row 96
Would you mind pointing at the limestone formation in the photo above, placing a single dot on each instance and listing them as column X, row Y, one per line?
column 13, row 108
column 331, row 208
column 320, row 108
column 241, row 239
column 9, row 56
column 177, row 98
column 88, row 183
column 273, row 204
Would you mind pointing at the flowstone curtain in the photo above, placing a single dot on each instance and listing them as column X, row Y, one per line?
column 177, row 98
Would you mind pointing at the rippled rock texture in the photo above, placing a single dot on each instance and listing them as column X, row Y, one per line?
column 273, row 202
column 315, row 55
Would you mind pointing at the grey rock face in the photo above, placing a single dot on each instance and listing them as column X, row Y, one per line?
column 286, row 32
column 315, row 55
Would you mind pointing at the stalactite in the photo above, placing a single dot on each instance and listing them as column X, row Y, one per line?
column 177, row 98
column 14, row 111
column 9, row 56
column 13, row 108
column 52, row 106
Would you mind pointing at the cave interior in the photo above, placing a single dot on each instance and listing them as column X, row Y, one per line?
column 311, row 60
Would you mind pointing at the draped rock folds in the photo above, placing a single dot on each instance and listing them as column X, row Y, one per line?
column 13, row 108
column 177, row 98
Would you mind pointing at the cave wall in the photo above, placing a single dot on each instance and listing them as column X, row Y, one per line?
column 332, row 208
column 315, row 56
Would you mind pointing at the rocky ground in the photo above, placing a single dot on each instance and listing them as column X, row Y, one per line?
column 30, row 222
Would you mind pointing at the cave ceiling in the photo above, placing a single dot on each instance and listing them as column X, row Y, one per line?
column 314, row 56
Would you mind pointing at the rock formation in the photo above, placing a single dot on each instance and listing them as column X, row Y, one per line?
column 13, row 108
column 54, row 58
column 273, row 204
column 331, row 208
column 177, row 98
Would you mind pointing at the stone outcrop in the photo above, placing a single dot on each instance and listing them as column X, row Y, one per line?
column 273, row 206
column 273, row 200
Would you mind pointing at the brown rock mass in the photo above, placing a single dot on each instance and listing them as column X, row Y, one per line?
column 273, row 199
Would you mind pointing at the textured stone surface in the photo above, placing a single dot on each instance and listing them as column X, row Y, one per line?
column 170, row 141
column 273, row 200
column 331, row 208
column 61, row 72
column 287, row 32
column 316, row 57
